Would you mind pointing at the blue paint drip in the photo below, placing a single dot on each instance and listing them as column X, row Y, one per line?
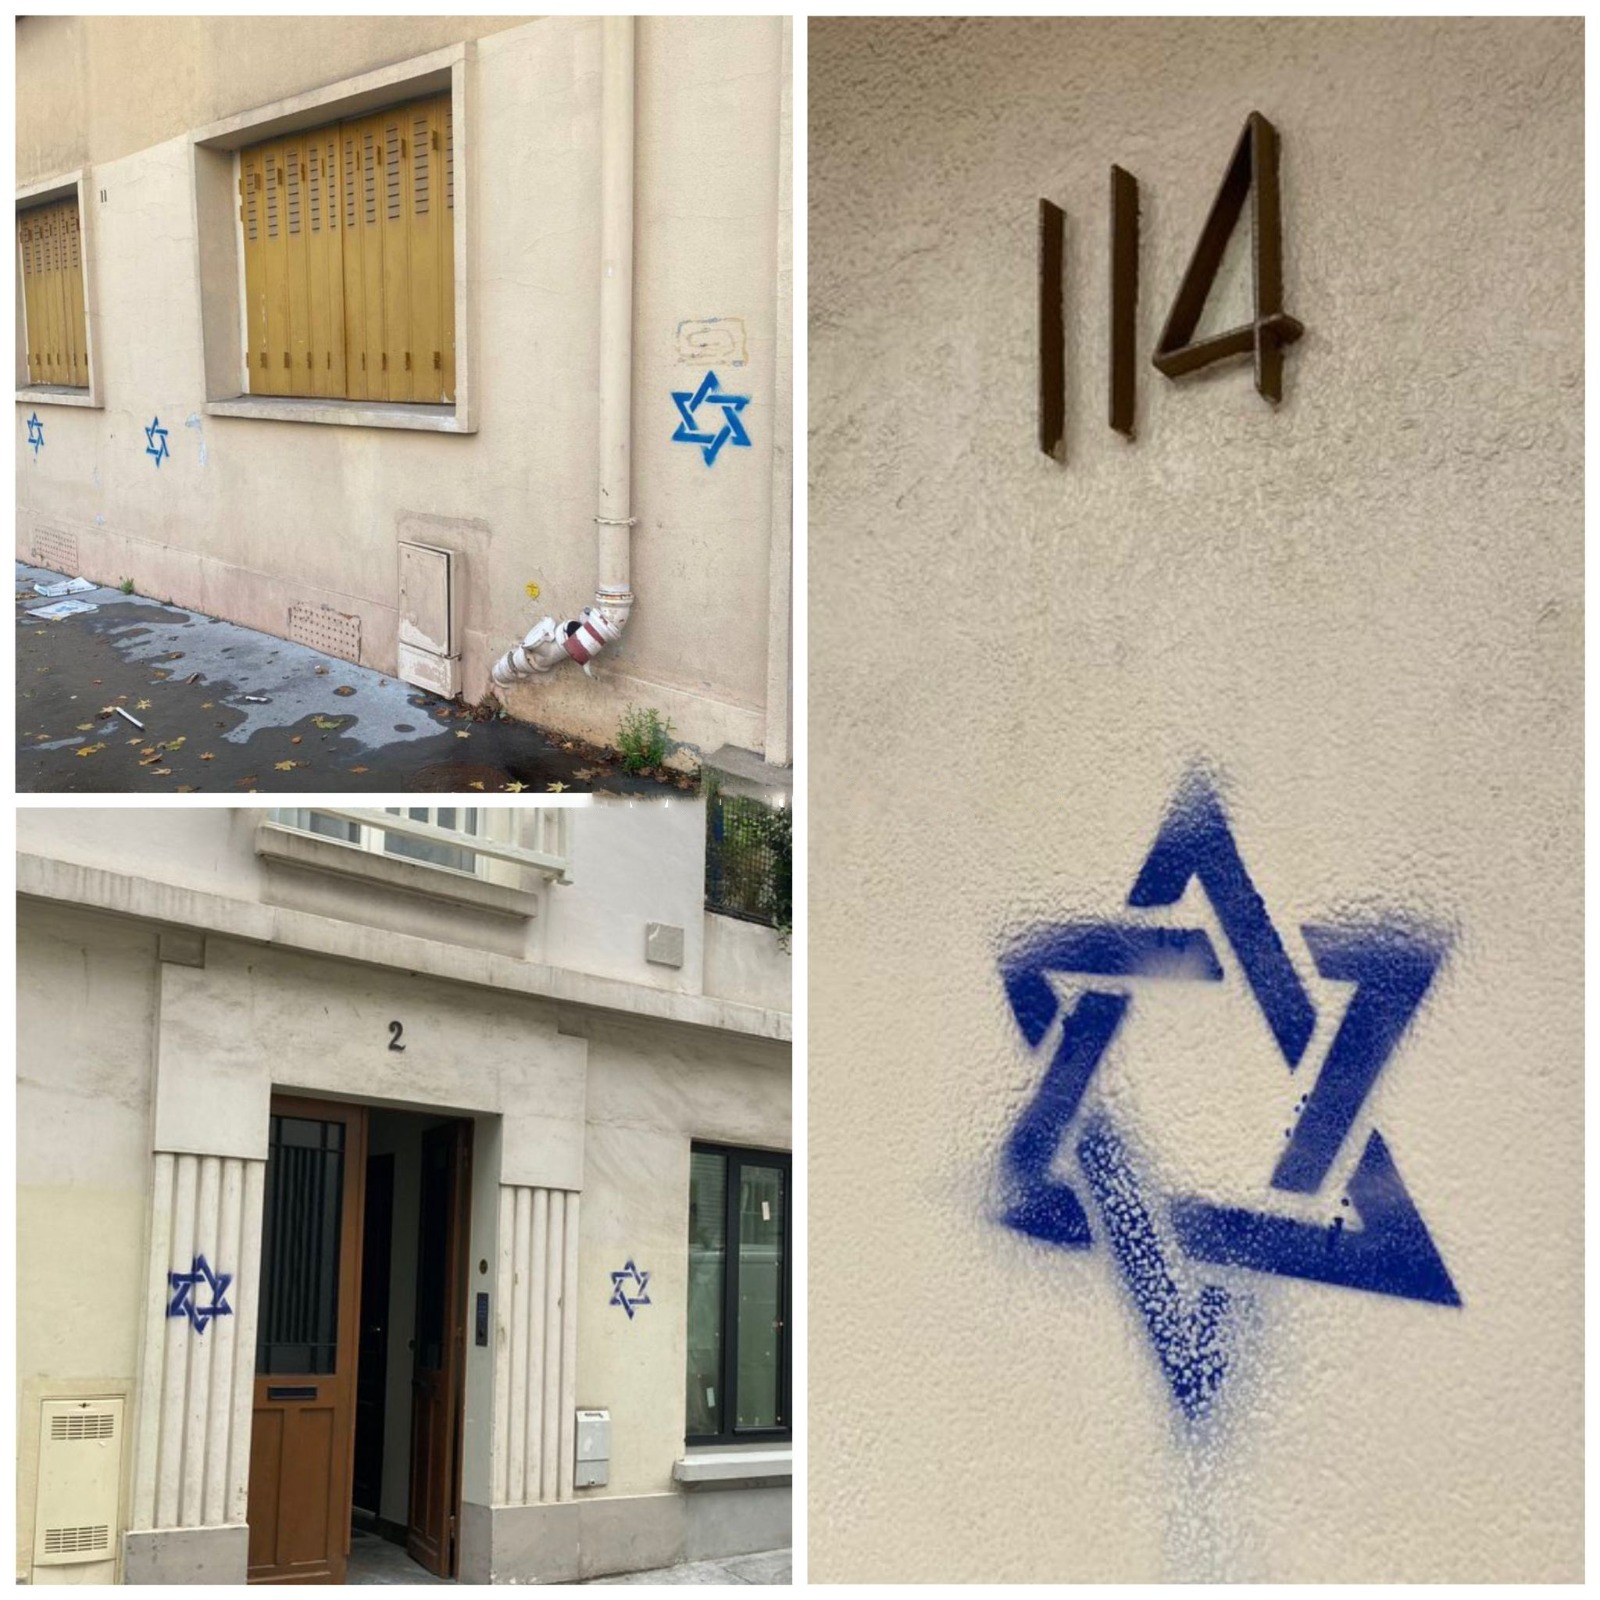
column 1189, row 1335
column 1391, row 1253
column 1391, row 971
column 1194, row 842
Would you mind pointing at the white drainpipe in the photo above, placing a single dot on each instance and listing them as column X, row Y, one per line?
column 548, row 643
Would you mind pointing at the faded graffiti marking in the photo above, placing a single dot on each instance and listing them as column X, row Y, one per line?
column 712, row 339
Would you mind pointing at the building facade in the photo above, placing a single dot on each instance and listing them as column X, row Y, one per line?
column 428, row 1173
column 399, row 336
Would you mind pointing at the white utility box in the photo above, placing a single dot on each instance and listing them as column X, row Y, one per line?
column 430, row 619
column 594, row 1449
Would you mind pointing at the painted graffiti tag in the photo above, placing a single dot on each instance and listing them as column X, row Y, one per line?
column 188, row 1283
column 1156, row 1242
column 620, row 1295
column 711, row 440
column 36, row 433
column 156, row 442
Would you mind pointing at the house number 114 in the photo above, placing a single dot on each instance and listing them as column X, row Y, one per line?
column 1252, row 175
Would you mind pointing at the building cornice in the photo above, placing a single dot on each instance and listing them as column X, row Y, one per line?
column 123, row 894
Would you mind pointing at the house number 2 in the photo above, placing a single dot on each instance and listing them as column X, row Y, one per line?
column 1252, row 175
column 395, row 1030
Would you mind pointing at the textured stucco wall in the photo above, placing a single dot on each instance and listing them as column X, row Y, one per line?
column 249, row 517
column 1363, row 610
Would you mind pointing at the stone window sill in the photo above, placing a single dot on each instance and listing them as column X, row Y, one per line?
column 47, row 394
column 341, row 413
column 735, row 1467
column 289, row 846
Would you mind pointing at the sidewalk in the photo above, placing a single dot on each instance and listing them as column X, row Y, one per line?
column 228, row 710
column 770, row 1566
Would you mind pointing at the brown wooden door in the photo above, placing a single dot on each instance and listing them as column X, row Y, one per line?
column 306, row 1343
column 443, row 1242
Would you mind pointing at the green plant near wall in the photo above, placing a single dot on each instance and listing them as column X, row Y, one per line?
column 642, row 738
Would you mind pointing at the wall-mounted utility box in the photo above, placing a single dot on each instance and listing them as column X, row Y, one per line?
column 430, row 618
column 594, row 1449
column 80, row 1473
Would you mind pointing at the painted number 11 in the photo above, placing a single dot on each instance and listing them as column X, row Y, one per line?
column 1252, row 175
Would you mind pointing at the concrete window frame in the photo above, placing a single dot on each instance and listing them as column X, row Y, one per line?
column 219, row 241
column 69, row 186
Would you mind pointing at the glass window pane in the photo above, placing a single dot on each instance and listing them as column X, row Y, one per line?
column 440, row 855
column 761, row 1330
column 298, row 1330
column 708, row 1210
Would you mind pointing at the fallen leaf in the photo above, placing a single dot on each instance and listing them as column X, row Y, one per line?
column 461, row 733
column 556, row 788
column 205, row 705
column 162, row 772
column 176, row 744
column 513, row 787
column 345, row 689
column 184, row 788
column 585, row 774
column 284, row 766
column 207, row 755
column 149, row 750
column 321, row 672
column 139, row 705
column 84, row 727
column 89, row 749
column 151, row 759
column 136, row 741
column 329, row 722
column 295, row 739
column 358, row 769
column 477, row 785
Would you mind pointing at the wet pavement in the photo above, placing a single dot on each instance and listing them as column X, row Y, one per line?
column 770, row 1566
column 227, row 710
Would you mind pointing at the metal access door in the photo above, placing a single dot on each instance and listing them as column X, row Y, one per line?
column 303, row 1434
column 439, row 1364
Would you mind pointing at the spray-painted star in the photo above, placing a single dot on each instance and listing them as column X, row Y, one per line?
column 156, row 441
column 689, row 430
column 35, row 433
column 187, row 1282
column 619, row 1290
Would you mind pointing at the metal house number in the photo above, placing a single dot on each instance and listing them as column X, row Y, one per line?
column 1252, row 175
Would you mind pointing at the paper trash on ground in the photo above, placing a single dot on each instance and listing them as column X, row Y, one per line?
column 62, row 608
column 53, row 591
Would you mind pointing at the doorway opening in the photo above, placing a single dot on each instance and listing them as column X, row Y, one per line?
column 355, row 1462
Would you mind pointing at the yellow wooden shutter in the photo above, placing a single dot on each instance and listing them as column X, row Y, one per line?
column 274, row 275
column 77, row 317
column 447, row 253
column 370, row 221
column 253, row 221
column 54, row 365
column 27, row 247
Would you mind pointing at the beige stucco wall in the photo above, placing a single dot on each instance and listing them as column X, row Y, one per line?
column 249, row 516
column 1365, row 610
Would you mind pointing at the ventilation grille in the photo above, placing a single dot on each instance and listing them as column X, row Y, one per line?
column 56, row 549
column 331, row 632
column 84, row 1425
column 91, row 1540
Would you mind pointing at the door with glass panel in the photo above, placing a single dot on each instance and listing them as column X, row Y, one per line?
column 739, row 1283
column 302, row 1437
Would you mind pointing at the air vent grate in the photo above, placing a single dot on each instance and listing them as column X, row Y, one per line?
column 84, row 1425
column 93, row 1539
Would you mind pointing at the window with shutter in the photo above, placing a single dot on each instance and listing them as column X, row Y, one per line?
column 349, row 254
column 50, row 252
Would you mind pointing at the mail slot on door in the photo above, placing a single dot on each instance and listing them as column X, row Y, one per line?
column 594, row 1449
column 291, row 1391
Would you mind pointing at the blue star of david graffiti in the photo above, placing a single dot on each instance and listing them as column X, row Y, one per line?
column 689, row 430
column 35, row 433
column 156, row 442
column 619, row 1289
column 186, row 1283
column 1391, row 967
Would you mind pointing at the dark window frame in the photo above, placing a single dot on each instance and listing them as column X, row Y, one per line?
column 727, row 1378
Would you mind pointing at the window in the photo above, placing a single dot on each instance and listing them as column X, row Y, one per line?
column 349, row 258
column 367, row 836
column 50, row 245
column 738, row 1371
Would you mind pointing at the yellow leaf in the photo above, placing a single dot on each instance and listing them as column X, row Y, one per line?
column 477, row 785
column 141, row 705
column 84, row 727
column 162, row 772
column 205, row 705
column 207, row 755
column 89, row 749
column 461, row 733
column 284, row 766
column 513, row 787
column 295, row 740
column 533, row 591
column 557, row 788
column 176, row 744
